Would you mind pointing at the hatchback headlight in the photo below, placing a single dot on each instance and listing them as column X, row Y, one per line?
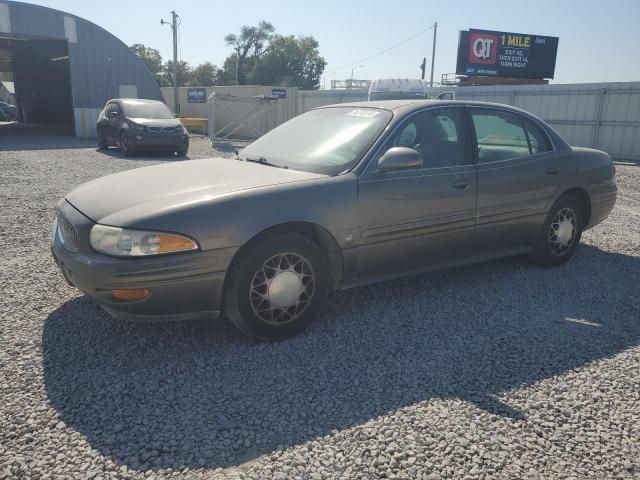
column 122, row 242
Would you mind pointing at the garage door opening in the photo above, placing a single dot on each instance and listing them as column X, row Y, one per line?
column 39, row 70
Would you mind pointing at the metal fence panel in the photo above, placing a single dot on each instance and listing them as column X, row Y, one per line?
column 598, row 115
column 310, row 99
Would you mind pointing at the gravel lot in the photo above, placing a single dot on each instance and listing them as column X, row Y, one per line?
column 502, row 370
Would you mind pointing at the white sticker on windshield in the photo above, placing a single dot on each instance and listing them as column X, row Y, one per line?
column 363, row 113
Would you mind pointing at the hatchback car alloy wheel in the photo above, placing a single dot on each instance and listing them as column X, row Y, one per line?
column 125, row 147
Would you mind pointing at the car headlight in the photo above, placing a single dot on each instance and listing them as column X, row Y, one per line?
column 135, row 126
column 122, row 242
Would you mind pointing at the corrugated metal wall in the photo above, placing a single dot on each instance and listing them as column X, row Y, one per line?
column 310, row 99
column 605, row 116
column 99, row 62
column 598, row 115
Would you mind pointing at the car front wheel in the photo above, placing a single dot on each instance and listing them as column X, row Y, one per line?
column 102, row 142
column 561, row 233
column 125, row 145
column 277, row 286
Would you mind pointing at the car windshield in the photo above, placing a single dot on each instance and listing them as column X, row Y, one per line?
column 133, row 109
column 327, row 140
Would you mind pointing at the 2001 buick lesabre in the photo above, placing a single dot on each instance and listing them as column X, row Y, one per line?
column 337, row 197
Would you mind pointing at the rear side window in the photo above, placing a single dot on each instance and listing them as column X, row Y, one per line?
column 538, row 140
column 505, row 135
column 500, row 135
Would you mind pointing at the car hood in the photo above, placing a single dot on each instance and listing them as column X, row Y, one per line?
column 156, row 122
column 119, row 199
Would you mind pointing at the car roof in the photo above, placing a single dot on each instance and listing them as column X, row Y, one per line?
column 410, row 105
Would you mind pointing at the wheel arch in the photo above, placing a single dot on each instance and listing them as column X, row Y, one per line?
column 582, row 196
column 314, row 232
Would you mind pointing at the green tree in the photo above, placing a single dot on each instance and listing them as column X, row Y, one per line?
column 204, row 75
column 248, row 46
column 289, row 61
column 184, row 72
column 152, row 58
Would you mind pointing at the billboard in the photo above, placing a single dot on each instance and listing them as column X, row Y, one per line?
column 506, row 54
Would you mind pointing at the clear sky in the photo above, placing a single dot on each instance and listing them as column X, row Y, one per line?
column 599, row 40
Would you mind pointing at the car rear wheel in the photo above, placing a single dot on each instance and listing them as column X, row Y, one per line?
column 277, row 287
column 125, row 145
column 561, row 233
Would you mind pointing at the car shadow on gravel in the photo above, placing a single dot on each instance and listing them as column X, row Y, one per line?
column 142, row 155
column 198, row 394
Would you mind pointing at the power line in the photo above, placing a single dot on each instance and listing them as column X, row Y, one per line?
column 383, row 51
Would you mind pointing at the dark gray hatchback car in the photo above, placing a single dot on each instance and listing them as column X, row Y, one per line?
column 340, row 196
column 134, row 124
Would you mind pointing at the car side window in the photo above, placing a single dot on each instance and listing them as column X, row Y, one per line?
column 438, row 134
column 500, row 135
column 538, row 140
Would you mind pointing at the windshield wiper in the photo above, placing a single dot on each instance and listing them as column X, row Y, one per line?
column 264, row 161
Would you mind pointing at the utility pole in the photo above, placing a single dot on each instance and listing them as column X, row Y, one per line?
column 174, row 30
column 433, row 52
column 351, row 81
column 237, row 64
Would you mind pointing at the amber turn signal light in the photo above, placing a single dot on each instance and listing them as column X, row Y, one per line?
column 132, row 294
column 175, row 243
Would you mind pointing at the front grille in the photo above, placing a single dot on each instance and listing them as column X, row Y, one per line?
column 155, row 129
column 68, row 233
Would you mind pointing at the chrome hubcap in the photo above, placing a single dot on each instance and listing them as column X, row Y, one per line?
column 282, row 289
column 562, row 231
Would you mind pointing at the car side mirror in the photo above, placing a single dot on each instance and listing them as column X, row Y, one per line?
column 399, row 158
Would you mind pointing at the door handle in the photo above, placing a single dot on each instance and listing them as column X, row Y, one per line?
column 461, row 185
column 552, row 171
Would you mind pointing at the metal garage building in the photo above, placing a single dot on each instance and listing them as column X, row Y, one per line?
column 65, row 68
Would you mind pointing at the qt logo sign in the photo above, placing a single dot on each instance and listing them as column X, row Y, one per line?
column 482, row 48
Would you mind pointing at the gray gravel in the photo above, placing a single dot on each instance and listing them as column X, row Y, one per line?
column 501, row 370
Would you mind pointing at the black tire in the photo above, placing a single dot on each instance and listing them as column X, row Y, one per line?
column 182, row 153
column 125, row 145
column 552, row 249
column 247, row 298
column 7, row 116
column 102, row 143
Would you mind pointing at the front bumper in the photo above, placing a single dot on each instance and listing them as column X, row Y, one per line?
column 183, row 286
column 151, row 141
